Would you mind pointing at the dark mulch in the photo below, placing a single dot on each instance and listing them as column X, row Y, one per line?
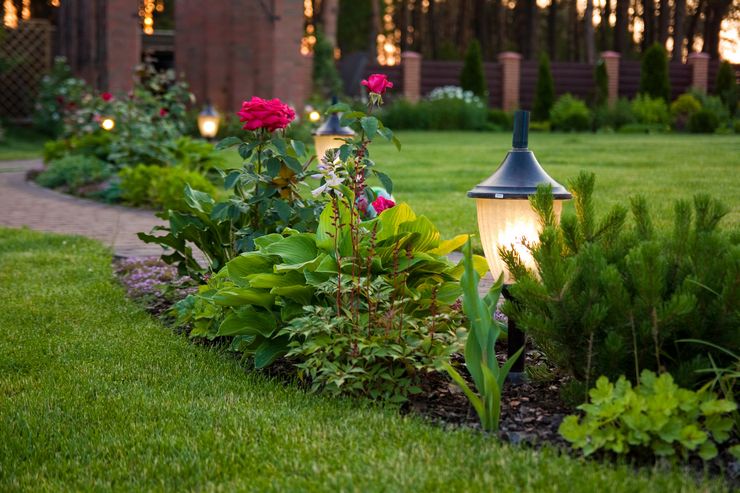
column 531, row 411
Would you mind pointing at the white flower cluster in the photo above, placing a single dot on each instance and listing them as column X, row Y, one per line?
column 454, row 92
column 332, row 172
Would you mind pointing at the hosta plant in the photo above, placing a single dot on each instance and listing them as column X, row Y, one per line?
column 480, row 354
column 656, row 417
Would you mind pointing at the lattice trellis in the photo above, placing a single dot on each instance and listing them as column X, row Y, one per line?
column 27, row 50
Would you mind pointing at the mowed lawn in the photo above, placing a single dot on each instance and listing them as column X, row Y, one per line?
column 434, row 170
column 95, row 395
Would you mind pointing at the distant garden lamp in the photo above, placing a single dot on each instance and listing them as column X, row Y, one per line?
column 331, row 134
column 506, row 220
column 208, row 121
column 107, row 123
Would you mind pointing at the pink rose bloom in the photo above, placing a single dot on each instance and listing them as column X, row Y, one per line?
column 270, row 114
column 163, row 112
column 106, row 96
column 377, row 83
column 381, row 203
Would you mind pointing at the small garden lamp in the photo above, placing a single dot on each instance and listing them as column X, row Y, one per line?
column 331, row 134
column 208, row 121
column 505, row 218
column 107, row 123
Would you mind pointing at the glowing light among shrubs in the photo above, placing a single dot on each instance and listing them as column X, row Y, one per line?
column 107, row 124
column 208, row 121
column 314, row 116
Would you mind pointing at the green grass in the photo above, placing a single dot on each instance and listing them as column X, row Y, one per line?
column 20, row 143
column 434, row 170
column 96, row 395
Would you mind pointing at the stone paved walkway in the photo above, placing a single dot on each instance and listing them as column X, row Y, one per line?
column 23, row 203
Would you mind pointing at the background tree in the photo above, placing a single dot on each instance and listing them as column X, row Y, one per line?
column 544, row 94
column 472, row 77
column 726, row 86
column 679, row 19
column 326, row 81
column 588, row 32
column 654, row 80
column 601, row 84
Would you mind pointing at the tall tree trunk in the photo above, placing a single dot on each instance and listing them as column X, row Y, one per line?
column 375, row 28
column 480, row 27
column 648, row 19
column 588, row 32
column 432, row 30
column 621, row 28
column 462, row 24
column 402, row 21
column 679, row 17
column 605, row 29
column 329, row 15
column 526, row 22
column 418, row 25
column 573, row 32
column 716, row 12
column 552, row 35
column 664, row 21
column 694, row 24
column 500, row 14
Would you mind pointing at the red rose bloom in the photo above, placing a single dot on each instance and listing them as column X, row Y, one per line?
column 260, row 113
column 377, row 83
column 381, row 203
column 106, row 96
column 163, row 112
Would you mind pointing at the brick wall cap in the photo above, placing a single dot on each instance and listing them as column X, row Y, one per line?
column 693, row 56
column 410, row 54
column 509, row 55
column 610, row 54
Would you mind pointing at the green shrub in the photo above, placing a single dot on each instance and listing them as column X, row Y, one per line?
column 472, row 77
column 614, row 117
column 601, row 83
column 439, row 114
column 654, row 80
column 570, row 114
column 682, row 109
column 544, row 93
column 656, row 417
column 703, row 122
column 651, row 111
column 95, row 144
column 160, row 187
column 59, row 91
column 500, row 119
column 612, row 298
column 726, row 86
column 74, row 172
column 715, row 105
column 643, row 128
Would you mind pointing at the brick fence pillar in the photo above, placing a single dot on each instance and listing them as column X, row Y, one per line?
column 510, row 75
column 123, row 44
column 411, row 66
column 699, row 70
column 611, row 61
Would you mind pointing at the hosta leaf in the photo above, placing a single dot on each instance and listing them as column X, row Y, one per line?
column 300, row 294
column 448, row 246
column 391, row 219
column 270, row 350
column 244, row 296
column 428, row 235
column 294, row 249
column 248, row 322
column 250, row 263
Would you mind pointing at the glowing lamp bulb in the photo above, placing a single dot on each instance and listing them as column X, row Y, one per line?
column 107, row 124
column 314, row 116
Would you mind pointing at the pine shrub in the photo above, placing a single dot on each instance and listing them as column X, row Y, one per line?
column 544, row 95
column 612, row 297
column 703, row 122
column 472, row 77
column 654, row 79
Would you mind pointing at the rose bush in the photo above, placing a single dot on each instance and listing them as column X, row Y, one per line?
column 270, row 114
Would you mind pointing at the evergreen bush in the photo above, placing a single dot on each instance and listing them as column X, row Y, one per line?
column 651, row 111
column 472, row 77
column 612, row 298
column 570, row 114
column 654, row 79
column 601, row 82
column 726, row 87
column 544, row 94
column 703, row 122
column 682, row 109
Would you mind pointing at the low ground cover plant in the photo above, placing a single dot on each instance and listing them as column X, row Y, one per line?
column 656, row 417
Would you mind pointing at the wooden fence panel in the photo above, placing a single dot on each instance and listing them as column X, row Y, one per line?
column 28, row 50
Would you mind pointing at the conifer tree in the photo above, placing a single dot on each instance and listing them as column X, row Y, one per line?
column 601, row 83
column 472, row 77
column 726, row 86
column 654, row 80
column 544, row 95
column 326, row 81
